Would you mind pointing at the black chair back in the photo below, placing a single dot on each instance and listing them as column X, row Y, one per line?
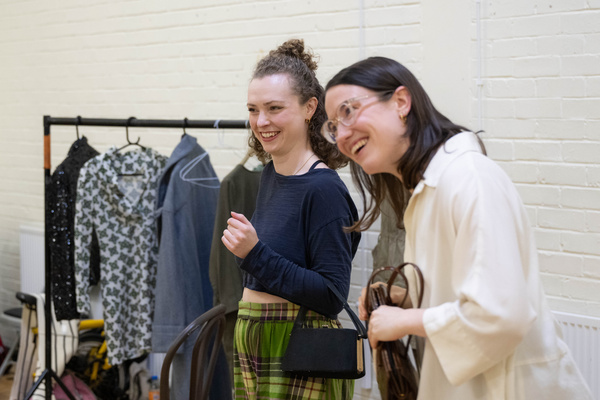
column 210, row 327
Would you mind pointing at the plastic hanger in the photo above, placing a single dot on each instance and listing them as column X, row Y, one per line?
column 220, row 134
column 246, row 157
column 129, row 142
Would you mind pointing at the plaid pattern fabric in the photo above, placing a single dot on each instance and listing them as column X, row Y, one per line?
column 262, row 333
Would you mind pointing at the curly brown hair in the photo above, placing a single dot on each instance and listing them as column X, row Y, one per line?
column 298, row 62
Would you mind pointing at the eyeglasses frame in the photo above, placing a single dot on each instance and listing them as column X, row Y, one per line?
column 337, row 120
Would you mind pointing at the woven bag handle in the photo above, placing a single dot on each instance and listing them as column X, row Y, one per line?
column 399, row 270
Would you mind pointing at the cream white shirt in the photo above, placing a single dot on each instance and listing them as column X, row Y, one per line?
column 490, row 332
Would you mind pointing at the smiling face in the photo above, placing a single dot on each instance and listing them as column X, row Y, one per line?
column 276, row 116
column 376, row 139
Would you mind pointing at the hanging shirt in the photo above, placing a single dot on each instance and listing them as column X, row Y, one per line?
column 238, row 193
column 62, row 193
column 185, row 208
column 119, row 205
column 490, row 332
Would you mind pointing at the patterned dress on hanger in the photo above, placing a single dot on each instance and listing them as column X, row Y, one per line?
column 115, row 196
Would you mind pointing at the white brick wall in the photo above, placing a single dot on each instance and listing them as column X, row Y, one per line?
column 541, row 57
column 541, row 96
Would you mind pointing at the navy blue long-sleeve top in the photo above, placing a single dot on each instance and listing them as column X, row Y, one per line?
column 299, row 221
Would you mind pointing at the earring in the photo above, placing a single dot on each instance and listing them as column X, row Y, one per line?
column 403, row 118
column 307, row 120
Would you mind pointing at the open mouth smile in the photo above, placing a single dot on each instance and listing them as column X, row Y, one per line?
column 268, row 135
column 358, row 146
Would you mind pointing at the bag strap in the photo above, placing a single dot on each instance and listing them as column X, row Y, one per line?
column 368, row 304
column 399, row 270
column 301, row 317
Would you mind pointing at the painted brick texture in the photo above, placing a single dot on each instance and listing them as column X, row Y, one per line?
column 543, row 53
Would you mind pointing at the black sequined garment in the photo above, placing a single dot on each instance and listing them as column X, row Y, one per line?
column 63, row 190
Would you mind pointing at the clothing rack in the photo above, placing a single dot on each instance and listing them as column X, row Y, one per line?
column 48, row 374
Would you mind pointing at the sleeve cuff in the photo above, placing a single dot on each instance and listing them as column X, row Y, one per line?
column 247, row 263
column 457, row 352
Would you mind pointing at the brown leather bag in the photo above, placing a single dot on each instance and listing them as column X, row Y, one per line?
column 397, row 375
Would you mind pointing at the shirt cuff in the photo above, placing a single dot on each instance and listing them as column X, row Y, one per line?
column 247, row 263
column 457, row 352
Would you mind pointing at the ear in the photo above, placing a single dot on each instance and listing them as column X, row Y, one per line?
column 403, row 100
column 311, row 107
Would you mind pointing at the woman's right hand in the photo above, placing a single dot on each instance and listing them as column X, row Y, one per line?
column 240, row 236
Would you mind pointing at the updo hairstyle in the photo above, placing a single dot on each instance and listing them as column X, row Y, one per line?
column 298, row 62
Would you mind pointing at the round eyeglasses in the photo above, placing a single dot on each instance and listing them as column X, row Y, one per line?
column 346, row 115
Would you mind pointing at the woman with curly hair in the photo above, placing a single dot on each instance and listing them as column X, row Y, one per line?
column 295, row 244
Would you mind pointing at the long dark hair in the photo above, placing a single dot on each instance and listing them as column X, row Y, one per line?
column 426, row 128
column 293, row 59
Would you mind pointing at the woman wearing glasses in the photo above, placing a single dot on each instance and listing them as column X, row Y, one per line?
column 489, row 332
column 294, row 244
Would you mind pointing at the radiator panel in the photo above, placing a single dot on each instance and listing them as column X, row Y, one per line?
column 582, row 335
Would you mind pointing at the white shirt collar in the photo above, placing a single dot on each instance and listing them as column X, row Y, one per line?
column 457, row 145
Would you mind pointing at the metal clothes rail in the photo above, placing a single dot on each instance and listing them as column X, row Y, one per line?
column 48, row 374
column 147, row 123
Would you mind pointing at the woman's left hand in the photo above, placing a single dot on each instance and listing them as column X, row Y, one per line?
column 240, row 236
column 390, row 323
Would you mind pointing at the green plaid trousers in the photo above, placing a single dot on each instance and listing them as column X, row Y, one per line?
column 262, row 333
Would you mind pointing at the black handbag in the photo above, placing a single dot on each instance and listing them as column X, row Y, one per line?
column 397, row 377
column 326, row 352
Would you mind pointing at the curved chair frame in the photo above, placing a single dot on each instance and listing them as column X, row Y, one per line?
column 210, row 327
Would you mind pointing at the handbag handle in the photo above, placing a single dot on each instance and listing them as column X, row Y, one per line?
column 368, row 304
column 399, row 270
column 300, row 318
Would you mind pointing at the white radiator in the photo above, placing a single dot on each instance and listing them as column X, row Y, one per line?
column 32, row 255
column 582, row 335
